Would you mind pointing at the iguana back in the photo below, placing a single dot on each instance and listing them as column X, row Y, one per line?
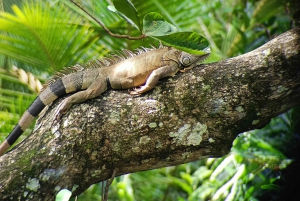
column 146, row 65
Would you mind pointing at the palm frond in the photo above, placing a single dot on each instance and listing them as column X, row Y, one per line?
column 41, row 39
column 44, row 38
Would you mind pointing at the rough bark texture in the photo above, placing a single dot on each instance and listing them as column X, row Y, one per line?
column 185, row 118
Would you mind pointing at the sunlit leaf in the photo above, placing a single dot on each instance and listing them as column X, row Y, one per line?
column 155, row 25
column 190, row 42
column 129, row 12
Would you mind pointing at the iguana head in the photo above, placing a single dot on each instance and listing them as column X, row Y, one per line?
column 188, row 60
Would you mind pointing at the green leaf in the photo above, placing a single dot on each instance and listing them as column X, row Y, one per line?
column 44, row 38
column 265, row 9
column 63, row 195
column 270, row 187
column 127, row 11
column 190, row 42
column 113, row 9
column 99, row 10
column 166, row 8
column 181, row 184
column 155, row 25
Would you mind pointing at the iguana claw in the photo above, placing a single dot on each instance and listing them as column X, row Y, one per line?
column 61, row 109
column 135, row 91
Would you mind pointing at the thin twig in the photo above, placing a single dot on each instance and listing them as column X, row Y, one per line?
column 106, row 29
column 108, row 183
column 102, row 190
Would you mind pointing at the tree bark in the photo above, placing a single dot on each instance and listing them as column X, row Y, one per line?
column 193, row 115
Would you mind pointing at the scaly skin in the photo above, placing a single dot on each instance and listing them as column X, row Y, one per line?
column 145, row 67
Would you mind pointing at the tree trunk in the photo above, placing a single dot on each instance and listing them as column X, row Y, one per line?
column 193, row 115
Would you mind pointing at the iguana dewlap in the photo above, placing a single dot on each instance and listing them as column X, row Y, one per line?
column 146, row 66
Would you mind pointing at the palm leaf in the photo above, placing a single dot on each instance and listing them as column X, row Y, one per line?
column 43, row 37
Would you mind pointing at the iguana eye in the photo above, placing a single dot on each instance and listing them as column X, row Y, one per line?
column 185, row 61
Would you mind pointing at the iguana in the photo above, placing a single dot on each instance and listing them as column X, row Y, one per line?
column 146, row 65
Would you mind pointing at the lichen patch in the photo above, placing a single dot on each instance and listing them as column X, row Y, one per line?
column 211, row 140
column 218, row 105
column 145, row 140
column 188, row 135
column 114, row 117
column 51, row 173
column 152, row 125
column 266, row 52
column 33, row 185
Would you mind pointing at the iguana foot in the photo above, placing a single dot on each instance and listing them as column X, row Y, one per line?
column 135, row 91
column 140, row 90
column 61, row 109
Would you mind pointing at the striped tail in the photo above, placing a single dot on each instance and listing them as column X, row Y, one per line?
column 48, row 95
column 58, row 87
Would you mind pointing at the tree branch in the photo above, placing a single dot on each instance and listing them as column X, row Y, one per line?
column 185, row 118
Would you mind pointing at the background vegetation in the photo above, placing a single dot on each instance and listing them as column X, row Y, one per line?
column 38, row 38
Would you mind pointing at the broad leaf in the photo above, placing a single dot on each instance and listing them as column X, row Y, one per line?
column 128, row 12
column 155, row 25
column 190, row 42
column 165, row 8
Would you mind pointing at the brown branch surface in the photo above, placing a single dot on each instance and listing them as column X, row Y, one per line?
column 185, row 118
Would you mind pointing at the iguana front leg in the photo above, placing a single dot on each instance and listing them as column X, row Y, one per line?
column 95, row 89
column 157, row 74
